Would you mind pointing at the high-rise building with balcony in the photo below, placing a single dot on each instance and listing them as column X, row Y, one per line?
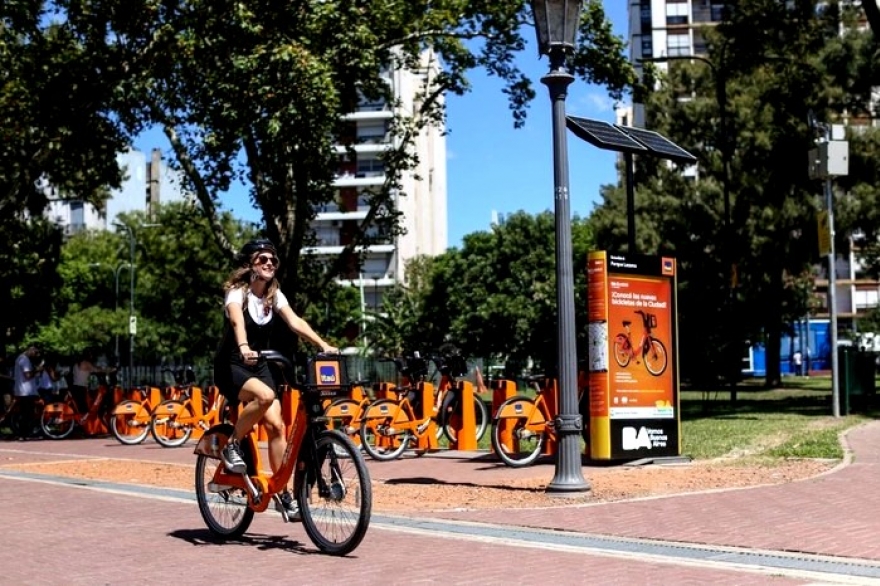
column 421, row 199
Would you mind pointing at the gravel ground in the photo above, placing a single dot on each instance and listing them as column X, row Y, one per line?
column 608, row 484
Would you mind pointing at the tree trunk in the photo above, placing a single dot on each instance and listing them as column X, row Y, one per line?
column 872, row 12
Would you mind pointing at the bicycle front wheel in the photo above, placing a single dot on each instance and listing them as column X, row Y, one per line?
column 336, row 496
column 57, row 420
column 224, row 509
column 451, row 411
column 130, row 423
column 518, row 431
column 170, row 424
column 655, row 358
column 380, row 417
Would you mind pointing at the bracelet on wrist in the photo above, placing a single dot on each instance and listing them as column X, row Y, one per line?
column 244, row 344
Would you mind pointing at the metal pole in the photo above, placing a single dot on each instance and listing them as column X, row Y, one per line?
column 630, row 203
column 131, row 310
column 832, row 302
column 116, row 306
column 568, row 477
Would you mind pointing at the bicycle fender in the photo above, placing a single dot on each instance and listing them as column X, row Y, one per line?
column 213, row 440
column 383, row 410
column 129, row 407
column 55, row 408
column 174, row 408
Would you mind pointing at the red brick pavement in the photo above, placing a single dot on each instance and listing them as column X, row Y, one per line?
column 53, row 534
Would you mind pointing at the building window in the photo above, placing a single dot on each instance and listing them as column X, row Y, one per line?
column 676, row 14
column 678, row 45
column 370, row 167
column 866, row 299
column 647, row 47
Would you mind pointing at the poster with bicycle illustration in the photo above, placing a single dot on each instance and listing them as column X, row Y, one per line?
column 633, row 395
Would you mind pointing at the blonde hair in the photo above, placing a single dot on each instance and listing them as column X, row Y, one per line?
column 241, row 279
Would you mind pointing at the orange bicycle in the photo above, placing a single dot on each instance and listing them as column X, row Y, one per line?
column 388, row 426
column 523, row 425
column 59, row 418
column 652, row 350
column 331, row 483
column 173, row 421
column 130, row 420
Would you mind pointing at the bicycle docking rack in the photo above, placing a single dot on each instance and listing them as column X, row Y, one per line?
column 465, row 427
column 503, row 390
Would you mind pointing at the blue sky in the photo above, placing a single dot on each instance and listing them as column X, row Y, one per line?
column 491, row 166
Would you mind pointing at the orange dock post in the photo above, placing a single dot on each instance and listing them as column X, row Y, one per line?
column 465, row 426
column 551, row 396
column 503, row 390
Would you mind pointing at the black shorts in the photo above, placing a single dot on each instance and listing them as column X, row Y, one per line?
column 230, row 377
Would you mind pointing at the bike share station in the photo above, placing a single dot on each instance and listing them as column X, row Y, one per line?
column 634, row 411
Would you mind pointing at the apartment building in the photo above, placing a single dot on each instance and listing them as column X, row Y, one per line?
column 674, row 28
column 146, row 183
column 422, row 198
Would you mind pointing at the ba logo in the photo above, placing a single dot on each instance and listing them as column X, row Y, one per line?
column 632, row 439
column 327, row 374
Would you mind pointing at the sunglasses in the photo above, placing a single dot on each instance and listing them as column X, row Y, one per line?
column 265, row 259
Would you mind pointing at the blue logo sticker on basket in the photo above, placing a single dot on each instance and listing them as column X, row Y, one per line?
column 328, row 374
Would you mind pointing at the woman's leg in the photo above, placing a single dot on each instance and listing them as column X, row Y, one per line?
column 274, row 425
column 259, row 399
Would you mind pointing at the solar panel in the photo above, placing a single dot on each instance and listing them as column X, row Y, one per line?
column 658, row 144
column 603, row 135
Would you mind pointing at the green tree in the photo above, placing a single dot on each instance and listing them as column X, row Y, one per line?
column 496, row 297
column 797, row 63
column 256, row 91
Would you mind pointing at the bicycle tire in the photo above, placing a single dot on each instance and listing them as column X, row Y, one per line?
column 341, row 415
column 129, row 423
column 166, row 427
column 219, row 506
column 450, row 410
column 55, row 424
column 335, row 510
column 526, row 443
column 622, row 351
column 656, row 359
column 374, row 442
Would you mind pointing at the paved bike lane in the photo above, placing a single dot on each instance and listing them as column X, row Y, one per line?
column 56, row 531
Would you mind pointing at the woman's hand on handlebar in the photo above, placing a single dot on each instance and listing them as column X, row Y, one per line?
column 328, row 349
column 249, row 356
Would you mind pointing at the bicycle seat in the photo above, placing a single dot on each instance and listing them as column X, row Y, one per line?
column 535, row 378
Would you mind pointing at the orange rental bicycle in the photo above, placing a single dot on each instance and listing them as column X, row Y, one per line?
column 650, row 349
column 388, row 426
column 59, row 418
column 130, row 420
column 522, row 425
column 173, row 422
column 330, row 479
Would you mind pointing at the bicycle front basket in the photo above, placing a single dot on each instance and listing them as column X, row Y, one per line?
column 328, row 375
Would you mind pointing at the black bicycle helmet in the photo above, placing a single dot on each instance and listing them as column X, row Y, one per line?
column 254, row 246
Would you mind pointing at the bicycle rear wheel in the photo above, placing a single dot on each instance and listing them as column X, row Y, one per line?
column 130, row 423
column 521, row 417
column 622, row 350
column 336, row 496
column 451, row 414
column 224, row 509
column 57, row 420
column 342, row 414
column 170, row 424
column 382, row 415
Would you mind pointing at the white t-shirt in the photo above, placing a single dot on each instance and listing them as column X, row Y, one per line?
column 81, row 372
column 24, row 387
column 255, row 305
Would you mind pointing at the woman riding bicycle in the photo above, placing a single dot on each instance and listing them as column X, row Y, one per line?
column 252, row 299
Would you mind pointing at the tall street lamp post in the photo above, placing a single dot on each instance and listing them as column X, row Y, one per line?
column 124, row 265
column 132, row 320
column 556, row 23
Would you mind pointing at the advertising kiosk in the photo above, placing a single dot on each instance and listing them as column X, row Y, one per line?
column 633, row 363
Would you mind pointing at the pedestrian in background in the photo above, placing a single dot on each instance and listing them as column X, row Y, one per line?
column 25, row 388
